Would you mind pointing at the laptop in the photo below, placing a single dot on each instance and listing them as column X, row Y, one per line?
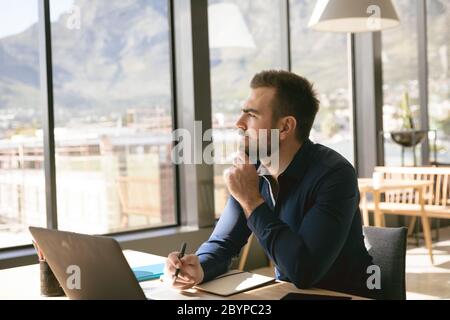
column 103, row 271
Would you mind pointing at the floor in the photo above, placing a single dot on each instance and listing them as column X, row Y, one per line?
column 424, row 281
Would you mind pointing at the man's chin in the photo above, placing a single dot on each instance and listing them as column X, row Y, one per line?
column 255, row 151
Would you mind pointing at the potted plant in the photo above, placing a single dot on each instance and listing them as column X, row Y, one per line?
column 408, row 136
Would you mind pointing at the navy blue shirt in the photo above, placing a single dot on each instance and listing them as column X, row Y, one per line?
column 313, row 232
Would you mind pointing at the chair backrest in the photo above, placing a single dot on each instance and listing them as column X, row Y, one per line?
column 139, row 196
column 387, row 246
column 437, row 194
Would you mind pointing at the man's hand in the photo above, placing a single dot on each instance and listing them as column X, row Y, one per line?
column 242, row 183
column 191, row 272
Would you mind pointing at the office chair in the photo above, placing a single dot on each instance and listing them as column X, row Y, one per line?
column 387, row 246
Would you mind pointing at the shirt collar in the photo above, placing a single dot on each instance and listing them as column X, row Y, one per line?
column 296, row 168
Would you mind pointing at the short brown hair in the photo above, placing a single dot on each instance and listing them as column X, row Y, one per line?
column 295, row 96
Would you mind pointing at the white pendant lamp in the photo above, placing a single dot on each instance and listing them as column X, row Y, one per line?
column 353, row 15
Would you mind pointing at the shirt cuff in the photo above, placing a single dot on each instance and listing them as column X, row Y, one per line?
column 211, row 268
column 208, row 268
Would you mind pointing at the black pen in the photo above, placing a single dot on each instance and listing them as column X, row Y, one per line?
column 180, row 255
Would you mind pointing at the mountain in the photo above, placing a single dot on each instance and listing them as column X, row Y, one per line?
column 118, row 59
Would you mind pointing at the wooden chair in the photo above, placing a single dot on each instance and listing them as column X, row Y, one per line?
column 406, row 202
column 245, row 252
column 268, row 270
column 139, row 196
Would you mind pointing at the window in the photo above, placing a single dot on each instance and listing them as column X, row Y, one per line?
column 438, row 75
column 113, row 117
column 400, row 77
column 321, row 57
column 22, row 187
column 244, row 38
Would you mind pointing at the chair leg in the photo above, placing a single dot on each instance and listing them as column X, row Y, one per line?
column 411, row 226
column 377, row 216
column 245, row 253
column 382, row 220
column 364, row 210
column 438, row 225
column 417, row 232
column 366, row 220
column 124, row 222
column 427, row 236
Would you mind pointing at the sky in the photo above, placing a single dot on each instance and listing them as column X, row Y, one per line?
column 18, row 15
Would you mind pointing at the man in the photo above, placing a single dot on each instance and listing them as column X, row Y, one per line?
column 304, row 212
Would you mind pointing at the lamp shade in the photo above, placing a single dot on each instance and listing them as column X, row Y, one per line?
column 353, row 15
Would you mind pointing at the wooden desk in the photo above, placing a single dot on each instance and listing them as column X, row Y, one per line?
column 23, row 283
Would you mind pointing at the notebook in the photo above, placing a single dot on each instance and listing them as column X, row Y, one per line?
column 150, row 272
column 233, row 282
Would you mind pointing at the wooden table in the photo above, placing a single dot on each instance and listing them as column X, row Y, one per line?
column 368, row 186
column 23, row 283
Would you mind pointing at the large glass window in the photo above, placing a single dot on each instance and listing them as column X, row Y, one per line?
column 22, row 188
column 244, row 38
column 438, row 21
column 113, row 123
column 400, row 82
column 321, row 57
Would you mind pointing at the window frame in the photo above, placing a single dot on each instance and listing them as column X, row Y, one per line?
column 47, row 103
column 190, row 81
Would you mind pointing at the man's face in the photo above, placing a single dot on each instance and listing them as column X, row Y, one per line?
column 256, row 114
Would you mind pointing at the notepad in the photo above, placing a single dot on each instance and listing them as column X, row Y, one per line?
column 150, row 272
column 234, row 282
